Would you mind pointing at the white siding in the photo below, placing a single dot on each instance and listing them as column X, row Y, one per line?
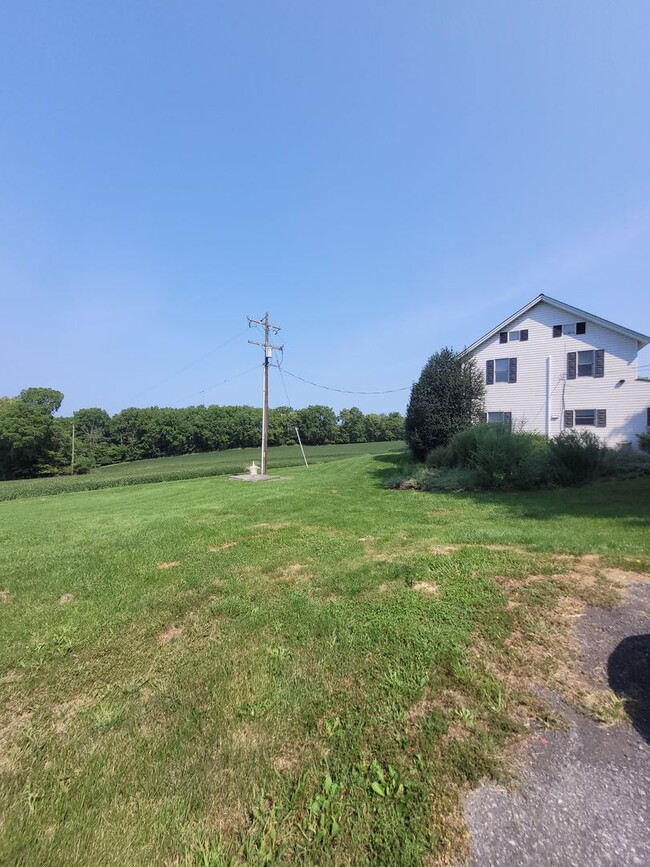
column 619, row 392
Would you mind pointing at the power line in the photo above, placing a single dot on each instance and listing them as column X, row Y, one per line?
column 341, row 390
column 197, row 361
column 223, row 382
column 284, row 385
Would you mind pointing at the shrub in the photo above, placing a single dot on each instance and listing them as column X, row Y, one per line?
column 624, row 464
column 503, row 459
column 644, row 441
column 576, row 457
column 498, row 457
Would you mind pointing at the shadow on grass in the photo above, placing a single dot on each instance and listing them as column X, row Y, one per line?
column 628, row 671
column 392, row 464
column 628, row 499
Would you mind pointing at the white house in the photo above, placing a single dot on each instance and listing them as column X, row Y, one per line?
column 551, row 366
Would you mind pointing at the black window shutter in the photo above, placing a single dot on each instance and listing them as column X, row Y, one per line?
column 557, row 331
column 523, row 334
column 601, row 418
column 507, row 419
column 581, row 327
column 489, row 372
column 570, row 365
column 568, row 418
column 503, row 337
column 484, row 417
column 599, row 367
column 512, row 370
column 647, row 417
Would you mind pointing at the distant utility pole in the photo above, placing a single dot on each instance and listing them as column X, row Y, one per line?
column 72, row 459
column 268, row 352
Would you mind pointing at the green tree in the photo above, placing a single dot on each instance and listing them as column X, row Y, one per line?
column 27, row 440
column 317, row 425
column 352, row 428
column 281, row 426
column 447, row 398
column 393, row 426
column 44, row 398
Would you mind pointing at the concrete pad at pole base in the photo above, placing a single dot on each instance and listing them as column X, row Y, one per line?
column 247, row 477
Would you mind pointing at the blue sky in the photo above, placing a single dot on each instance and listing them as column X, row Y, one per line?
column 385, row 178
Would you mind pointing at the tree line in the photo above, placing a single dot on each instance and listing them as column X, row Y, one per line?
column 35, row 442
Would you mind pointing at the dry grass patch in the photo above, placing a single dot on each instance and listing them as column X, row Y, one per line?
column 293, row 572
column 171, row 633
column 5, row 597
column 168, row 564
column 248, row 737
column 427, row 587
column 66, row 712
column 13, row 726
column 225, row 546
column 64, row 598
column 544, row 649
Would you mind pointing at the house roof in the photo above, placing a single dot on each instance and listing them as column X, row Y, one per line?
column 643, row 339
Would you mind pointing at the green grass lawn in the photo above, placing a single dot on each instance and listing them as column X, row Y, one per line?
column 187, row 467
column 210, row 672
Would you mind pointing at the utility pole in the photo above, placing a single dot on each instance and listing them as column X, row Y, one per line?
column 268, row 353
column 72, row 461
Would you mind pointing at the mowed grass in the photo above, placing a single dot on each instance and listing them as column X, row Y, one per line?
column 192, row 466
column 313, row 670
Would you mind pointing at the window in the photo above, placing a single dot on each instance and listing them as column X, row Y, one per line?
column 504, row 418
column 583, row 417
column 570, row 328
column 501, row 366
column 500, row 370
column 586, row 362
column 505, row 336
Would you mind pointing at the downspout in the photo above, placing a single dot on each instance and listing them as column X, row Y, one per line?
column 548, row 396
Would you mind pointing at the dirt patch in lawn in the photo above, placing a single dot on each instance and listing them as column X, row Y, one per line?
column 64, row 598
column 5, row 597
column 168, row 564
column 171, row 633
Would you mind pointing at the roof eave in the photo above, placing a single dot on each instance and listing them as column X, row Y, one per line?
column 642, row 339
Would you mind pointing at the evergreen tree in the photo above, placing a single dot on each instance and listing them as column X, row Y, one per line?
column 447, row 397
